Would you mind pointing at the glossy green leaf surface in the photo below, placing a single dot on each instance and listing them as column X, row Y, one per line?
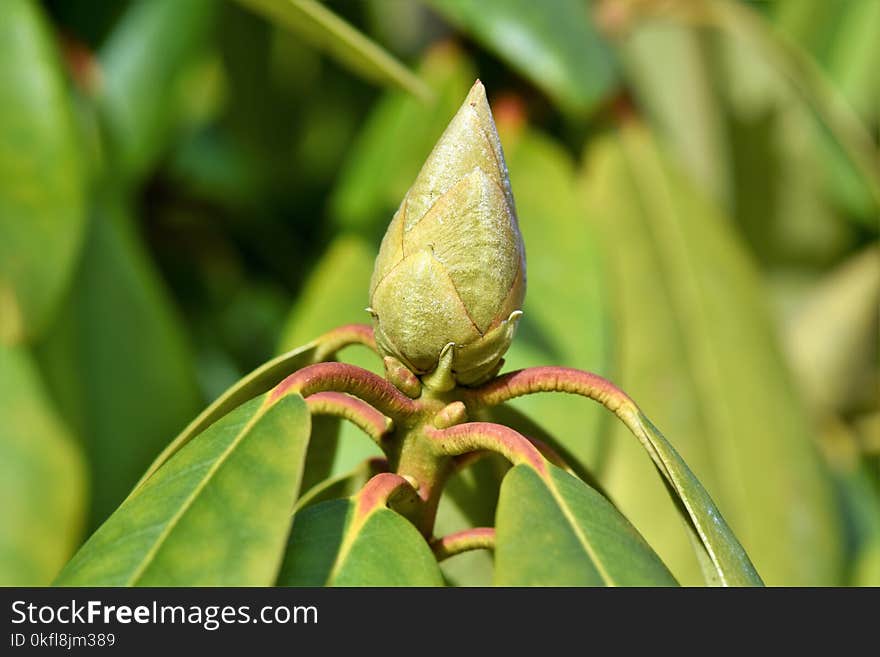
column 554, row 44
column 698, row 353
column 567, row 312
column 42, row 478
column 256, row 383
column 117, row 359
column 42, row 205
column 317, row 25
column 216, row 514
column 557, row 531
column 143, row 64
column 330, row 547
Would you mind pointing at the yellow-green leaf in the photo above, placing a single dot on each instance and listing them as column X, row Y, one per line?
column 554, row 44
column 42, row 206
column 42, row 478
column 554, row 530
column 698, row 352
column 216, row 514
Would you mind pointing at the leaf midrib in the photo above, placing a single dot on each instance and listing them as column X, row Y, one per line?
column 151, row 554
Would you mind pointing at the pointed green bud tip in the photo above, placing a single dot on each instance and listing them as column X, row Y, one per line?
column 451, row 268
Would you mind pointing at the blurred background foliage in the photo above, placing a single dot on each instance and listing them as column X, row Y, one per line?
column 187, row 188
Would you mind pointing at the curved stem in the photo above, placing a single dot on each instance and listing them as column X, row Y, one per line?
column 355, row 410
column 473, row 436
column 554, row 379
column 341, row 377
column 727, row 556
column 478, row 538
column 343, row 336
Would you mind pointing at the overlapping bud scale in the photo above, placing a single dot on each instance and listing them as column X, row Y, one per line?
column 451, row 269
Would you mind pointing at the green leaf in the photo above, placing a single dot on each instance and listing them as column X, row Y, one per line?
column 216, row 514
column 557, row 531
column 42, row 478
column 567, row 314
column 831, row 338
column 42, row 176
column 669, row 68
column 698, row 352
column 143, row 68
column 330, row 545
column 397, row 137
column 117, row 361
column 317, row 25
column 554, row 44
column 849, row 145
column 342, row 274
column 256, row 383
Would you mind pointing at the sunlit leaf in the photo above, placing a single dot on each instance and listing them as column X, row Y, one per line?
column 832, row 339
column 337, row 543
column 567, row 318
column 554, row 44
column 698, row 353
column 216, row 514
column 42, row 205
column 557, row 531
column 315, row 23
column 42, row 478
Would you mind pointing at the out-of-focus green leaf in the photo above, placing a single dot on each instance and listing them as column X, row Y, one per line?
column 557, row 531
column 845, row 38
column 779, row 160
column 336, row 293
column 117, row 361
column 668, row 65
column 216, row 514
column 567, row 320
column 42, row 209
column 397, row 137
column 554, row 44
column 698, row 353
column 867, row 566
column 315, row 23
column 143, row 60
column 848, row 143
column 42, row 478
column 832, row 340
column 338, row 543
